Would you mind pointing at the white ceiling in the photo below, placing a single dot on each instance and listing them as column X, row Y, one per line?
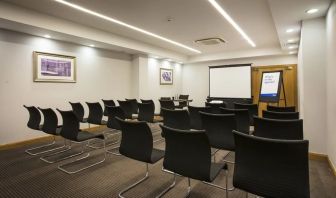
column 265, row 21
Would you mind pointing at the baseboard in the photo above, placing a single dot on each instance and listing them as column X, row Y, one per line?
column 41, row 139
column 332, row 166
column 318, row 156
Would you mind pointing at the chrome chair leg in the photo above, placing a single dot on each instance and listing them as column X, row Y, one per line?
column 214, row 154
column 220, row 187
column 168, row 188
column 44, row 158
column 135, row 184
column 61, row 167
column 110, row 151
column 105, row 135
column 228, row 161
column 28, row 151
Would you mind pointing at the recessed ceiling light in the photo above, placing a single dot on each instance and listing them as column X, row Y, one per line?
column 292, row 47
column 289, row 30
column 92, row 45
column 312, row 11
column 292, row 52
column 107, row 18
column 290, row 40
column 231, row 21
column 47, row 36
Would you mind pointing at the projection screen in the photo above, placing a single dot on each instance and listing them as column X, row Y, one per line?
column 230, row 81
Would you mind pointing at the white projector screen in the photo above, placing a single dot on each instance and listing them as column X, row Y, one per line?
column 231, row 81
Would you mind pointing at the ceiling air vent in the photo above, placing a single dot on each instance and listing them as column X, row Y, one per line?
column 210, row 41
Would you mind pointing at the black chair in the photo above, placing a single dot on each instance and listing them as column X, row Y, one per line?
column 281, row 115
column 188, row 153
column 71, row 131
column 165, row 98
column 134, row 103
column 242, row 118
column 51, row 127
column 195, row 117
column 281, row 109
column 137, row 143
column 34, row 123
column 146, row 112
column 166, row 104
column 182, row 104
column 107, row 103
column 78, row 109
column 271, row 168
column 252, row 109
column 176, row 119
column 112, row 113
column 278, row 129
column 95, row 114
column 127, row 107
column 215, row 107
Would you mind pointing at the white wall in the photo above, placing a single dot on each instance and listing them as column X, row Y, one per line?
column 312, row 69
column 331, row 82
column 100, row 75
column 195, row 78
column 149, row 80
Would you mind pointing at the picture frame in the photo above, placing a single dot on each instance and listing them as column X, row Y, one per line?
column 166, row 76
column 49, row 67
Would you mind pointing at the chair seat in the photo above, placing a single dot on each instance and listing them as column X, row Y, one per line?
column 85, row 135
column 157, row 154
column 215, row 169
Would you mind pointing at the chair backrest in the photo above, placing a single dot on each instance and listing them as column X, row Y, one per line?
column 166, row 104
column 70, row 125
column 184, row 97
column 281, row 109
column 107, row 103
column 50, row 121
column 112, row 113
column 281, row 115
column 187, row 153
column 78, row 109
column 271, row 168
column 252, row 109
column 195, row 117
column 136, row 140
column 146, row 112
column 242, row 118
column 34, row 117
column 127, row 107
column 134, row 103
column 218, row 128
column 165, row 98
column 148, row 101
column 215, row 107
column 278, row 129
column 95, row 113
column 176, row 119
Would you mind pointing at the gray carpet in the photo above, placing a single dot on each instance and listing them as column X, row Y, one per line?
column 22, row 175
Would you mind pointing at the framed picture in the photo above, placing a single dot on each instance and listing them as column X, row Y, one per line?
column 166, row 76
column 54, row 67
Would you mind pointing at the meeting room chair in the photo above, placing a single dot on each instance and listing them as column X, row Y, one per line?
column 177, row 119
column 127, row 107
column 252, row 109
column 270, row 167
column 182, row 104
column 146, row 112
column 107, row 103
column 242, row 118
column 215, row 107
column 34, row 122
column 166, row 104
column 71, row 131
column 281, row 109
column 188, row 153
column 280, row 115
column 195, row 117
column 137, row 143
column 95, row 114
column 218, row 128
column 278, row 129
column 134, row 103
column 78, row 109
column 165, row 98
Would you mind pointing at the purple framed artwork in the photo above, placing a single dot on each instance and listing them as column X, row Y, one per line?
column 54, row 67
column 166, row 76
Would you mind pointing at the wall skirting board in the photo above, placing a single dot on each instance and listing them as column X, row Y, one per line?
column 42, row 139
column 323, row 157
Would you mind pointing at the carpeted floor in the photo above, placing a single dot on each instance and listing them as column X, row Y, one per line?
column 22, row 175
